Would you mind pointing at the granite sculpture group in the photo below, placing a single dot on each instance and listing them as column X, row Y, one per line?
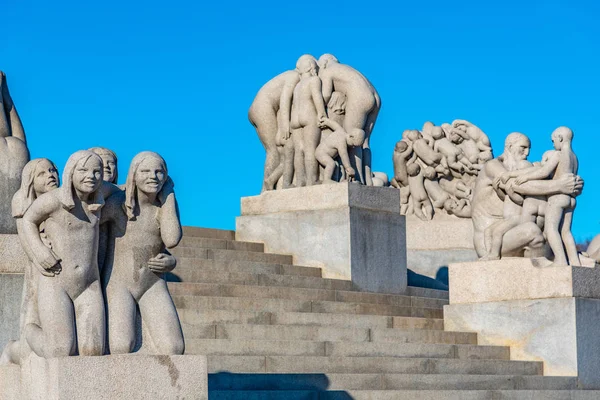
column 97, row 252
column 320, row 114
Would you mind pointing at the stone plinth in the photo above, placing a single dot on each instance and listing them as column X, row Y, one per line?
column 114, row 377
column 544, row 313
column 12, row 257
column 351, row 231
column 11, row 290
column 432, row 245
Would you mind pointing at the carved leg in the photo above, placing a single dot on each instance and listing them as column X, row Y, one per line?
column 91, row 321
column 121, row 319
column 568, row 240
column 552, row 233
column 160, row 317
column 56, row 337
column 312, row 138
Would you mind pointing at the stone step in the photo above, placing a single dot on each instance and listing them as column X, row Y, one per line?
column 283, row 305
column 196, row 317
column 208, row 243
column 227, row 381
column 248, row 278
column 343, row 349
column 208, row 233
column 369, row 365
column 406, row 395
column 297, row 293
column 424, row 292
column 324, row 333
column 190, row 266
column 230, row 255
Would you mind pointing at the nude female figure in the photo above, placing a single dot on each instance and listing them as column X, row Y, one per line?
column 362, row 107
column 13, row 155
column 144, row 220
column 270, row 114
column 39, row 176
column 70, row 302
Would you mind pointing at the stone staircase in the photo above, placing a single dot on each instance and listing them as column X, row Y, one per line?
column 274, row 330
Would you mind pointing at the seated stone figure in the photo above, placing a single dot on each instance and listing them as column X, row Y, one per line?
column 39, row 176
column 69, row 295
column 144, row 221
column 336, row 144
column 13, row 155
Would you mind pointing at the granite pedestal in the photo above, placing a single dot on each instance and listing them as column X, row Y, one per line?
column 432, row 245
column 107, row 377
column 351, row 231
column 544, row 313
column 12, row 266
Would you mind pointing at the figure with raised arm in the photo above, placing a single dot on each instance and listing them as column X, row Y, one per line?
column 69, row 296
column 336, row 144
column 308, row 112
column 13, row 155
column 559, row 211
column 144, row 223
column 362, row 107
column 39, row 176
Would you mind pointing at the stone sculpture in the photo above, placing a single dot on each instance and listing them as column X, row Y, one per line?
column 39, row 176
column 336, row 144
column 143, row 220
column 69, row 294
column 13, row 155
column 109, row 162
column 289, row 111
column 593, row 250
column 510, row 208
column 444, row 162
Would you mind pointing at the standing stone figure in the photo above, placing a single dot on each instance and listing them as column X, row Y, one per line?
column 39, row 176
column 143, row 221
column 270, row 114
column 13, row 155
column 69, row 295
column 362, row 107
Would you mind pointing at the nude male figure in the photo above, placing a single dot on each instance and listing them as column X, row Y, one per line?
column 422, row 207
column 308, row 112
column 336, row 144
column 270, row 115
column 475, row 140
column 362, row 107
column 403, row 155
column 559, row 211
column 488, row 203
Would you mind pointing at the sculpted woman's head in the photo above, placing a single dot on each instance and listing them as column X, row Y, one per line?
column 109, row 162
column 39, row 176
column 147, row 174
column 82, row 176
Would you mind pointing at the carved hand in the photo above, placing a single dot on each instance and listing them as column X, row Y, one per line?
column 49, row 265
column 571, row 184
column 162, row 263
column 167, row 189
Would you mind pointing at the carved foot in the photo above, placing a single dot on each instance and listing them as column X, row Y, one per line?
column 489, row 257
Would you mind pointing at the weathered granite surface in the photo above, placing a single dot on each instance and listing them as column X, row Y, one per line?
column 11, row 287
column 12, row 256
column 351, row 231
column 114, row 377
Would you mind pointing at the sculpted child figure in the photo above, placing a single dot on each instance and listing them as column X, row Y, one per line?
column 144, row 220
column 109, row 163
column 422, row 207
column 69, row 295
column 39, row 176
column 308, row 112
column 335, row 144
column 559, row 211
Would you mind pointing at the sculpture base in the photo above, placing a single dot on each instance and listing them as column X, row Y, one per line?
column 12, row 256
column 110, row 377
column 11, row 290
column 350, row 231
column 433, row 245
column 549, row 314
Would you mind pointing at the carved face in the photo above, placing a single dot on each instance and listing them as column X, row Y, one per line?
column 110, row 166
column 520, row 149
column 87, row 176
column 45, row 177
column 150, row 176
column 455, row 137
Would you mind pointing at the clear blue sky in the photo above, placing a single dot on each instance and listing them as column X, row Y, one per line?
column 178, row 78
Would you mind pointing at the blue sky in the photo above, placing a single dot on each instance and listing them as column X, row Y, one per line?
column 178, row 77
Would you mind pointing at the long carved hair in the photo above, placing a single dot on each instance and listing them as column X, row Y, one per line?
column 66, row 195
column 130, row 186
column 25, row 196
